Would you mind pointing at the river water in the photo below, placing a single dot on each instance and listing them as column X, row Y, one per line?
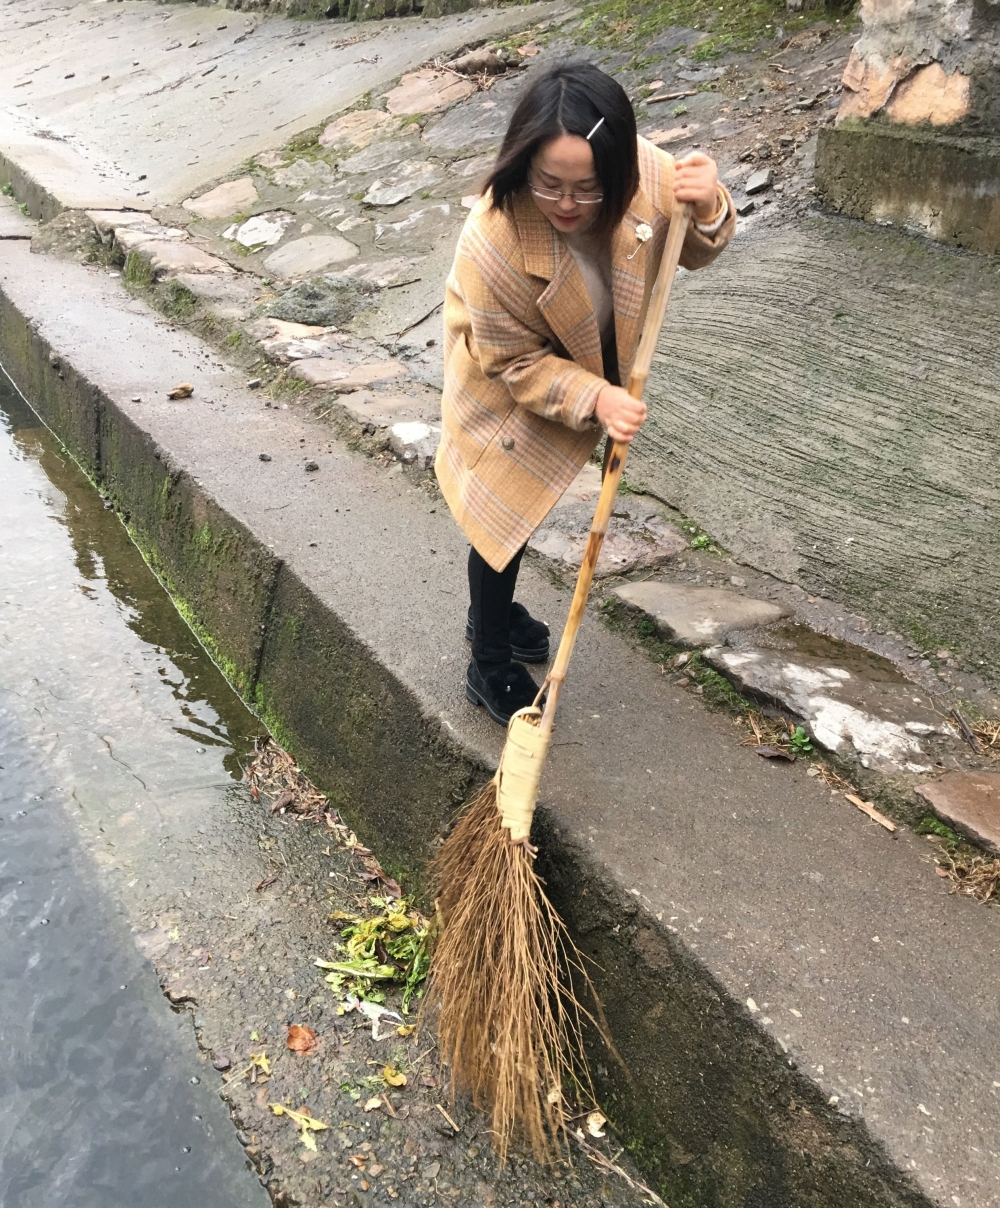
column 109, row 712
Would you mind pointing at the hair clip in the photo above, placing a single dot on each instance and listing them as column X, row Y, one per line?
column 595, row 129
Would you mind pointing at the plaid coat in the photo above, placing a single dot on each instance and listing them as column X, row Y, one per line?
column 522, row 355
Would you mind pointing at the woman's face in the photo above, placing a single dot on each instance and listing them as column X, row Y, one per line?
column 566, row 165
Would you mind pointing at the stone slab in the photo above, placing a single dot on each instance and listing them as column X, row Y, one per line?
column 888, row 722
column 476, row 123
column 414, row 442
column 354, row 131
column 638, row 535
column 127, row 238
column 384, row 409
column 262, row 230
column 344, row 378
column 310, row 254
column 230, row 296
column 970, row 802
column 698, row 616
column 232, row 197
column 168, row 258
column 109, row 221
column 427, row 91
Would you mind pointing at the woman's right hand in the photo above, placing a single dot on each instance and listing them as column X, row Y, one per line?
column 621, row 414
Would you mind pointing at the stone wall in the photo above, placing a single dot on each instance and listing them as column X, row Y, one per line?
column 917, row 138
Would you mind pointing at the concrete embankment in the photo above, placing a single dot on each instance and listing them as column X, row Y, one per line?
column 805, row 1015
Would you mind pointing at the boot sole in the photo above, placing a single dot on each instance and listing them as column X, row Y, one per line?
column 537, row 655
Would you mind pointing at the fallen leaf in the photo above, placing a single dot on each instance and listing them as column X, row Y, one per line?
column 357, row 1159
column 373, row 1104
column 261, row 1061
column 393, row 1076
column 406, row 1029
column 941, row 872
column 428, row 1080
column 527, row 52
column 774, row 753
column 301, row 1039
column 595, row 1124
column 303, row 1120
column 283, row 801
column 184, row 390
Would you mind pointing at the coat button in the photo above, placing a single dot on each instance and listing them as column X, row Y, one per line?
column 508, row 443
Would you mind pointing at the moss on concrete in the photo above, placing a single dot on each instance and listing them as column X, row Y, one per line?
column 357, row 731
column 215, row 569
column 731, row 25
column 921, row 179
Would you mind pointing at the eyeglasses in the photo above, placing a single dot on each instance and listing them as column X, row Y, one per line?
column 581, row 199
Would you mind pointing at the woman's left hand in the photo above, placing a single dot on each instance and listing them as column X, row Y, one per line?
column 696, row 179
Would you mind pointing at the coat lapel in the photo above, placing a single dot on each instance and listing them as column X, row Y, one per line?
column 629, row 277
column 564, row 303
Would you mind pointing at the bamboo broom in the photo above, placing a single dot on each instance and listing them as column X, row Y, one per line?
column 502, row 971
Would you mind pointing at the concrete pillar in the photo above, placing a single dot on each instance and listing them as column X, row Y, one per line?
column 917, row 136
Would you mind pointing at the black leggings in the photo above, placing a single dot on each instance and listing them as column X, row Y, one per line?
column 492, row 593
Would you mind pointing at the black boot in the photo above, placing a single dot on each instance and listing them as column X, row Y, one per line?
column 529, row 639
column 501, row 689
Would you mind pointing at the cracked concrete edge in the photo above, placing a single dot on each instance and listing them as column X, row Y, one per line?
column 693, row 1063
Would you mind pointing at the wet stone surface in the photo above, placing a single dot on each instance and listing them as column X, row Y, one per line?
column 850, row 699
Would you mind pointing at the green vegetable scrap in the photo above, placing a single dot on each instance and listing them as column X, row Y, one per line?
column 391, row 946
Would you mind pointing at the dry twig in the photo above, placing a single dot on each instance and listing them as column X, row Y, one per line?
column 605, row 1164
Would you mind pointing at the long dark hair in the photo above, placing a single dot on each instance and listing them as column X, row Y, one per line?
column 571, row 98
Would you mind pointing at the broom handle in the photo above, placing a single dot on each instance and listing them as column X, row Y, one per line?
column 655, row 315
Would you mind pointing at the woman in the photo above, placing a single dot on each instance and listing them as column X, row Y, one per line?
column 543, row 313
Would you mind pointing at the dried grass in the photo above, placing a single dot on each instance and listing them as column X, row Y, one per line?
column 988, row 733
column 509, row 1024
column 767, row 731
column 973, row 876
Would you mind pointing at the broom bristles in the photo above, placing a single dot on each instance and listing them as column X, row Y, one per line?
column 509, row 1023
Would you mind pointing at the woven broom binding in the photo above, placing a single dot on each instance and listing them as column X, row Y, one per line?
column 520, row 771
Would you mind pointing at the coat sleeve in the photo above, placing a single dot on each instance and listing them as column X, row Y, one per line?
column 700, row 249
column 657, row 168
column 507, row 347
